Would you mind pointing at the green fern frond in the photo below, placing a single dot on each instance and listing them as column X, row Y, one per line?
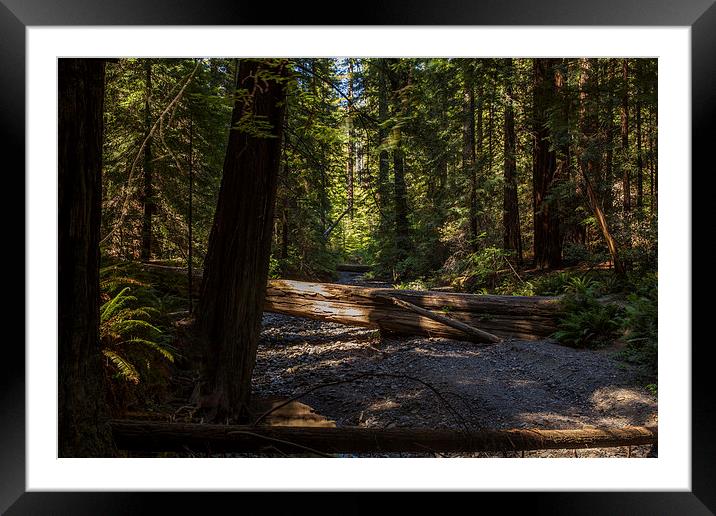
column 114, row 282
column 162, row 350
column 111, row 307
column 125, row 327
column 125, row 369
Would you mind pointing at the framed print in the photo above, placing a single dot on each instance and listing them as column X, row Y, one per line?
column 675, row 43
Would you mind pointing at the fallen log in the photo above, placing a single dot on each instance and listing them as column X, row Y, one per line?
column 502, row 316
column 158, row 436
column 522, row 317
column 460, row 326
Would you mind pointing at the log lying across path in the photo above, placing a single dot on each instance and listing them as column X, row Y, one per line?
column 488, row 318
column 158, row 436
column 532, row 317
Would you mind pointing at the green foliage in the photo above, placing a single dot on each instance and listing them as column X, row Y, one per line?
column 587, row 322
column 416, row 284
column 135, row 333
column 476, row 271
column 640, row 323
column 129, row 338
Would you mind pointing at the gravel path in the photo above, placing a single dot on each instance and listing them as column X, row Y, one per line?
column 515, row 384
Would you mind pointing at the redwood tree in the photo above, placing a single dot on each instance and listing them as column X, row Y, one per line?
column 237, row 260
column 82, row 409
column 512, row 238
column 547, row 234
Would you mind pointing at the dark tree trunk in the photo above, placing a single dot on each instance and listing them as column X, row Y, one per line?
column 624, row 113
column 639, row 161
column 82, row 409
column 652, row 169
column 237, row 260
column 493, row 88
column 148, row 194
column 468, row 149
column 510, row 210
column 190, row 217
column 609, row 165
column 384, row 158
column 547, row 233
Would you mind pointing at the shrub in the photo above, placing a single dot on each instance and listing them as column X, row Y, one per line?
column 640, row 323
column 135, row 337
column 587, row 323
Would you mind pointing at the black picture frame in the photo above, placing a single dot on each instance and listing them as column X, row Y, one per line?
column 16, row 15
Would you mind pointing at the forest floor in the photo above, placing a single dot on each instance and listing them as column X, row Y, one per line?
column 442, row 383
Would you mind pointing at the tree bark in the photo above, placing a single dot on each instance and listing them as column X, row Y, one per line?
column 159, row 436
column 639, row 161
column 236, row 265
column 547, row 231
column 609, row 169
column 512, row 236
column 82, row 414
column 624, row 113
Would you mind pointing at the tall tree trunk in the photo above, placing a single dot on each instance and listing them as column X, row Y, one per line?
column 469, row 164
column 547, row 232
column 512, row 237
column 351, row 142
column 384, row 157
column 652, row 168
column 609, row 168
column 624, row 113
column 400, row 194
column 493, row 88
column 639, row 161
column 148, row 194
column 82, row 408
column 237, row 260
column 190, row 217
column 587, row 164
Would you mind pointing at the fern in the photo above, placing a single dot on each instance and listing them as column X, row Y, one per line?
column 125, row 369
column 115, row 304
column 586, row 321
column 161, row 349
column 125, row 330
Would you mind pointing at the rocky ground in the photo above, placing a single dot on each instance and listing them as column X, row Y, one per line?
column 442, row 383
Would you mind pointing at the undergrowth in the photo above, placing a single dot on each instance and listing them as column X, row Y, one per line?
column 136, row 335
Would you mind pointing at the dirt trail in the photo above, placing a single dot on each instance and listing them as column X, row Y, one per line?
column 515, row 384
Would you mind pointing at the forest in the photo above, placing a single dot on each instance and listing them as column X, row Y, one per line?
column 357, row 257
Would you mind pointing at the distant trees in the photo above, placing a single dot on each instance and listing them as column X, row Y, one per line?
column 394, row 161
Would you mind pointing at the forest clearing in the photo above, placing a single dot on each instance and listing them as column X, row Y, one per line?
column 358, row 257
